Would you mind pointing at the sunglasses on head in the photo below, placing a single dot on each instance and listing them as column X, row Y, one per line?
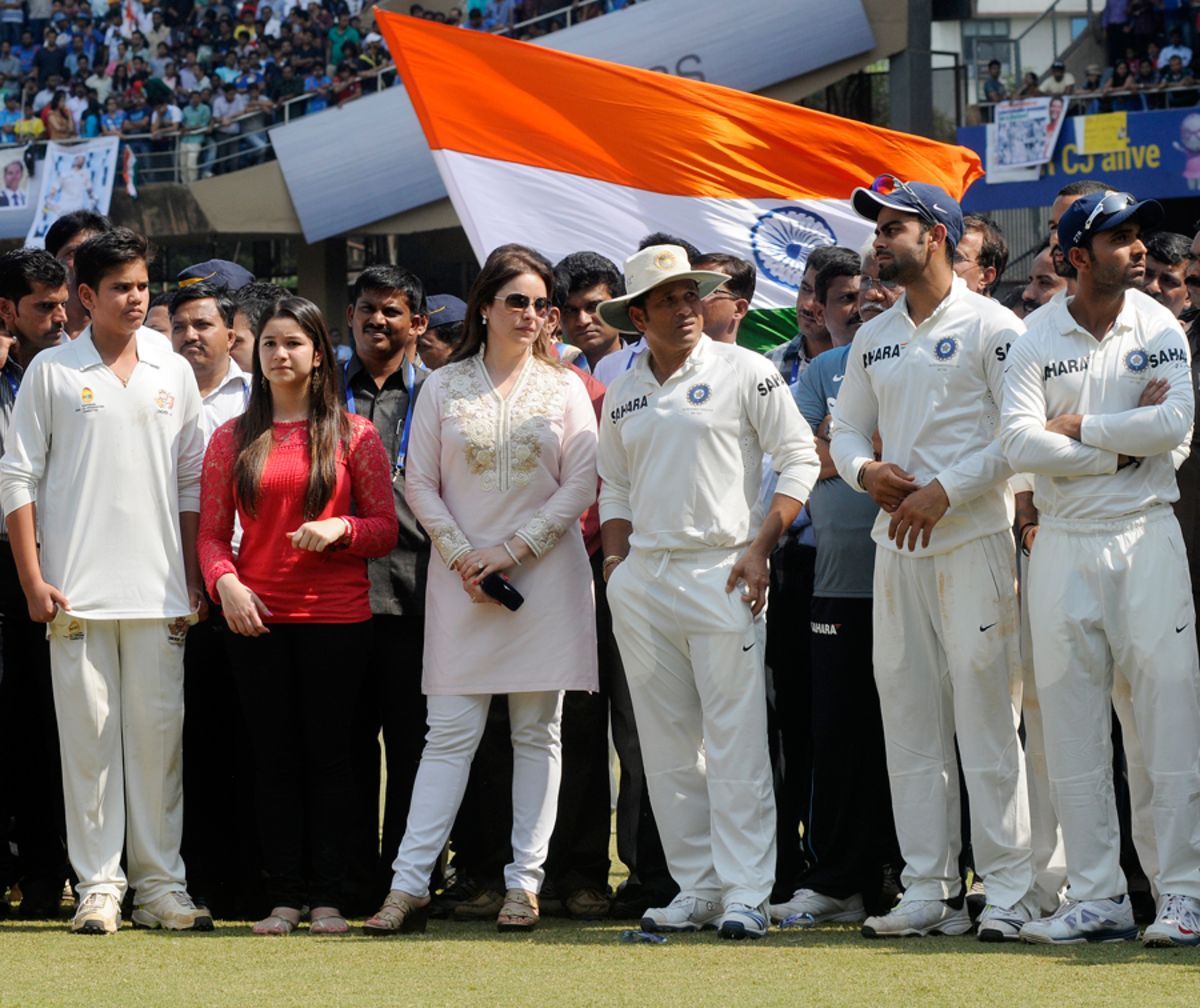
column 519, row 302
column 1113, row 203
column 886, row 185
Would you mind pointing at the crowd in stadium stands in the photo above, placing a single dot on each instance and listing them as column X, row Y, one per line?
column 191, row 86
column 1151, row 63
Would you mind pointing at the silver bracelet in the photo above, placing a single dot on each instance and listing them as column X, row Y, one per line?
column 508, row 550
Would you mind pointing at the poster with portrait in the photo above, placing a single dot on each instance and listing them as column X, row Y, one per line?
column 73, row 177
column 15, row 194
column 1026, row 132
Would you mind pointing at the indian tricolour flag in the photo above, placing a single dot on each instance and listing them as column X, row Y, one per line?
column 566, row 153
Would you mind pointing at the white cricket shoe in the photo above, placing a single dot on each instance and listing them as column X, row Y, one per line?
column 740, row 920
column 918, row 918
column 98, row 913
column 1000, row 924
column 1079, row 921
column 683, row 913
column 808, row 907
column 173, row 911
column 1178, row 923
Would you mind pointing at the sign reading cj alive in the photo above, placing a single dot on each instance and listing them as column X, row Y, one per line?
column 1161, row 160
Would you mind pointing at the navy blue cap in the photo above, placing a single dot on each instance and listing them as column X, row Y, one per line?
column 445, row 309
column 924, row 199
column 1114, row 208
column 221, row 273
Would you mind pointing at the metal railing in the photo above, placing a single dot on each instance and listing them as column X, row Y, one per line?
column 1049, row 12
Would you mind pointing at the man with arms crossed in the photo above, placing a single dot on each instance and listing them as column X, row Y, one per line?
column 928, row 375
column 682, row 440
column 107, row 437
column 1109, row 600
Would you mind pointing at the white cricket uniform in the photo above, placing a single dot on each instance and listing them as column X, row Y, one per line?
column 682, row 463
column 946, row 623
column 111, row 467
column 1110, row 596
column 609, row 368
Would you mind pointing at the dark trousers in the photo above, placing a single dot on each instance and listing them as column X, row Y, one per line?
column 391, row 702
column 789, row 658
column 220, row 842
column 31, row 791
column 299, row 688
column 849, row 833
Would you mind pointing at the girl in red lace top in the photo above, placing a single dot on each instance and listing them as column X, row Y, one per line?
column 311, row 485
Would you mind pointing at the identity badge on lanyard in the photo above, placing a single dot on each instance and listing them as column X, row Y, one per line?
column 410, row 377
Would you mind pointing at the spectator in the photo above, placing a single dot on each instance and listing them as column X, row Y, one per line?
column 196, row 122
column 1175, row 47
column 1168, row 256
column 50, row 60
column 1030, row 88
column 12, row 20
column 256, row 119
column 338, row 36
column 1059, row 82
column 1044, row 282
column 112, row 122
column 227, row 107
column 1122, row 87
column 981, row 255
column 994, row 89
column 60, row 124
column 442, row 338
column 319, row 85
column 1174, row 77
column 10, row 63
column 9, row 118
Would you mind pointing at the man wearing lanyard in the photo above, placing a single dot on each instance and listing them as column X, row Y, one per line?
column 928, row 375
column 387, row 314
column 33, row 299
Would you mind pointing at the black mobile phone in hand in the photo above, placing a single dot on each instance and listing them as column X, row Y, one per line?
column 499, row 587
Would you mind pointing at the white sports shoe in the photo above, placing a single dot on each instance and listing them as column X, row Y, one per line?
column 683, row 913
column 740, row 920
column 98, row 913
column 1178, row 923
column 918, row 918
column 1078, row 921
column 999, row 924
column 807, row 907
column 173, row 911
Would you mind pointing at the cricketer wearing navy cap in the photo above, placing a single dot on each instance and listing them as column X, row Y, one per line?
column 1098, row 399
column 928, row 375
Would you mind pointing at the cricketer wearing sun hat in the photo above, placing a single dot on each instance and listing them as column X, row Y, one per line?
column 682, row 439
column 928, row 375
column 1098, row 397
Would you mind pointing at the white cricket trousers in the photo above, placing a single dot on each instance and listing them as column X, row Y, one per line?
column 1111, row 614
column 694, row 662
column 118, row 693
column 1049, row 854
column 456, row 725
column 947, row 663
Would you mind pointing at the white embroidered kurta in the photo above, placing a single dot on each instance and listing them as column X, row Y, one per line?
column 482, row 469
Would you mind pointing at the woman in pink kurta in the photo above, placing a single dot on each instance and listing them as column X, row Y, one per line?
column 501, row 464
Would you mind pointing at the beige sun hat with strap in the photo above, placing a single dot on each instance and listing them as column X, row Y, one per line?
column 650, row 268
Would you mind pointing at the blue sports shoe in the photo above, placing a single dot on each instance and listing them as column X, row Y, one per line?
column 741, row 920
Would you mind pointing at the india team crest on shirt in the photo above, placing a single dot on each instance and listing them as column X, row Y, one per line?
column 87, row 401
column 1137, row 360
column 945, row 349
column 699, row 394
column 164, row 402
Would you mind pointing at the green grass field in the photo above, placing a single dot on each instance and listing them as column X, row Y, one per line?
column 569, row 963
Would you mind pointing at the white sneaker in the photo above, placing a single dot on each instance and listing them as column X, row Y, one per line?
column 1178, row 923
column 999, row 924
column 173, row 911
column 1078, row 921
column 807, row 907
column 98, row 913
column 740, row 920
column 683, row 913
column 917, row 918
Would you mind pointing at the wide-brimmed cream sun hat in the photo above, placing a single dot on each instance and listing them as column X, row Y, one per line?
column 650, row 268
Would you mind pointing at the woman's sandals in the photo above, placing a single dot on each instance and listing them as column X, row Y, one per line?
column 400, row 914
column 520, row 911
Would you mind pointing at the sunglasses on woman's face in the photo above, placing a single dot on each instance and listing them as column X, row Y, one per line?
column 519, row 302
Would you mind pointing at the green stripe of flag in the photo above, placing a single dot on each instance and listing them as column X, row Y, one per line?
column 765, row 328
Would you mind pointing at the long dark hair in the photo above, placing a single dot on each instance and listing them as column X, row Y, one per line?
column 502, row 265
column 328, row 423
